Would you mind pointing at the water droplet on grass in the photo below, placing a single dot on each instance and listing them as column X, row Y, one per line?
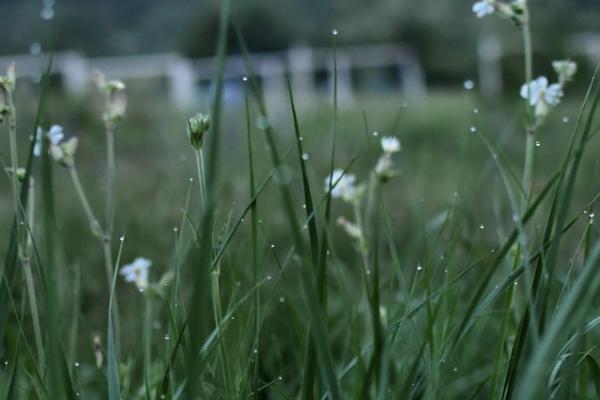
column 537, row 143
column 334, row 32
column 35, row 48
column 468, row 84
column 47, row 13
column 473, row 129
column 565, row 119
column 305, row 156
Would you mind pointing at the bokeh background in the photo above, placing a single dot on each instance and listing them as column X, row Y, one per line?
column 441, row 162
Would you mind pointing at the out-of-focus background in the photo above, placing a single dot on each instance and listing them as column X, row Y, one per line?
column 426, row 71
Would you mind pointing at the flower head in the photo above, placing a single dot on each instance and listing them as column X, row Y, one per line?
column 7, row 85
column 115, row 98
column 137, row 272
column 390, row 144
column 541, row 95
column 343, row 185
column 62, row 151
column 198, row 125
column 55, row 136
column 565, row 69
column 483, row 8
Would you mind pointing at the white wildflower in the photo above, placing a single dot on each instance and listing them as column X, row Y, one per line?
column 343, row 185
column 137, row 272
column 484, row 7
column 390, row 144
column 541, row 95
column 56, row 134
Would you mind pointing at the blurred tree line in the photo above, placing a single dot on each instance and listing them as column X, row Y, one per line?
column 443, row 32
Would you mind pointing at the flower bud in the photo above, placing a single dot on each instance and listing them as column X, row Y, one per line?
column 64, row 152
column 565, row 69
column 7, row 85
column 116, row 98
column 384, row 170
column 20, row 172
column 198, row 125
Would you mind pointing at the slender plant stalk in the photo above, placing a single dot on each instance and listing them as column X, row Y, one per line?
column 201, row 177
column 530, row 124
column 254, row 233
column 110, row 180
column 104, row 240
column 26, row 260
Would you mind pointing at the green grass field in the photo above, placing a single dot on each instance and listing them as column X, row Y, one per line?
column 442, row 272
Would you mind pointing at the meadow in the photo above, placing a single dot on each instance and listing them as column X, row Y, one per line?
column 440, row 248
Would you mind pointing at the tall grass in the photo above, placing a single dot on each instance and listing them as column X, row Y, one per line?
column 307, row 287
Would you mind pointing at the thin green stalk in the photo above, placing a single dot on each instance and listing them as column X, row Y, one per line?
column 218, row 315
column 93, row 221
column 110, row 180
column 26, row 260
column 201, row 175
column 530, row 141
column 14, row 161
column 104, row 239
column 254, row 233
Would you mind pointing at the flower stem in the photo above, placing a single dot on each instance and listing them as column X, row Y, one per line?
column 93, row 221
column 110, row 179
column 14, row 159
column 201, row 178
column 530, row 125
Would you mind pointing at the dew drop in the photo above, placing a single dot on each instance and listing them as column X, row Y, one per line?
column 269, row 277
column 282, row 299
column 375, row 133
column 565, row 119
column 334, row 32
column 468, row 84
column 47, row 13
column 419, row 267
column 473, row 129
column 35, row 48
column 262, row 122
column 280, row 378
column 305, row 156
column 481, row 226
column 537, row 143
column 76, row 364
column 475, row 111
column 245, row 78
column 167, row 337
column 272, row 245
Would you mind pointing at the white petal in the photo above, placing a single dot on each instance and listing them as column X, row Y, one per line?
column 553, row 94
column 56, row 134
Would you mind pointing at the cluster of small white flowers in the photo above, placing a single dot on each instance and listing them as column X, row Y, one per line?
column 515, row 10
column 483, row 8
column 384, row 169
column 342, row 185
column 137, row 272
column 55, row 136
column 542, row 95
column 390, row 144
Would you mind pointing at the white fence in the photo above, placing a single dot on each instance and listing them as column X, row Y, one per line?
column 183, row 74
